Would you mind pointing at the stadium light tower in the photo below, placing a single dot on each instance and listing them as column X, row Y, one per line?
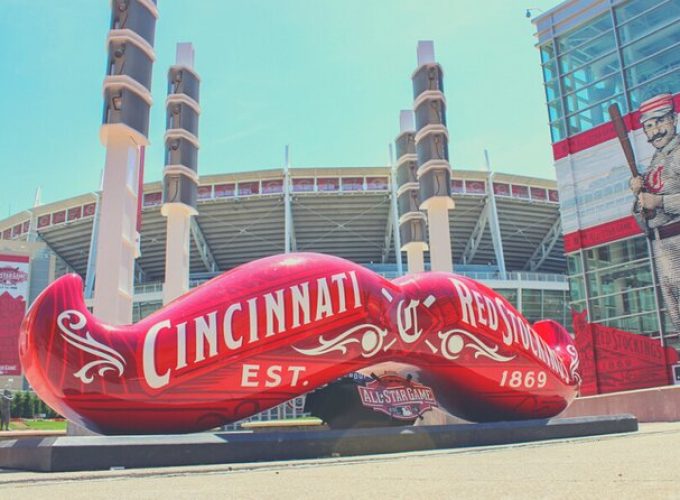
column 432, row 150
column 124, row 132
column 411, row 219
column 180, row 176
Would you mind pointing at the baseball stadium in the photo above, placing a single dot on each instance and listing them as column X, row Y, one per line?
column 345, row 212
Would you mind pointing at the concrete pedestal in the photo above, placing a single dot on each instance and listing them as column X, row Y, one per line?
column 74, row 453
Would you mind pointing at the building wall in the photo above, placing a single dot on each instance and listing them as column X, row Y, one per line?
column 593, row 54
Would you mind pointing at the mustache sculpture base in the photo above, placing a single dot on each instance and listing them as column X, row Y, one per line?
column 279, row 327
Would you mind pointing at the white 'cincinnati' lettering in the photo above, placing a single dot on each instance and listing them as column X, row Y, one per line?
column 225, row 331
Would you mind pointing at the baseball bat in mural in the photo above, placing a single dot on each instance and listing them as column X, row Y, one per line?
column 624, row 140
column 279, row 327
column 622, row 134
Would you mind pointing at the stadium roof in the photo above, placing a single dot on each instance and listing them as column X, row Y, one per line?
column 343, row 211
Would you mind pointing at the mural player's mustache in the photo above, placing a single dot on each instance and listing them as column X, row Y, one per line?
column 660, row 135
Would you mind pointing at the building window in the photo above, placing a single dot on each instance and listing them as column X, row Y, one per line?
column 649, row 21
column 634, row 8
column 587, row 52
column 661, row 64
column 582, row 35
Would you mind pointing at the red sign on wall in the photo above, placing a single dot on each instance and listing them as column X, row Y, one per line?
column 614, row 360
column 13, row 296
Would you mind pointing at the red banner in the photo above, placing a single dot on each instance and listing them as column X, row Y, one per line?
column 613, row 360
column 13, row 296
column 602, row 233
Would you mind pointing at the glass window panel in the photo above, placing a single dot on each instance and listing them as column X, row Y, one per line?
column 673, row 341
column 552, row 90
column 651, row 44
column 667, row 322
column 653, row 67
column 549, row 71
column 532, row 305
column 619, row 252
column 555, row 110
column 594, row 116
column 577, row 288
column 629, row 302
column 603, row 89
column 547, row 52
column 590, row 73
column 554, row 305
column 581, row 35
column 631, row 9
column 588, row 52
column 143, row 309
column 619, row 279
column 667, row 83
column 558, row 131
column 509, row 294
column 574, row 263
column 649, row 21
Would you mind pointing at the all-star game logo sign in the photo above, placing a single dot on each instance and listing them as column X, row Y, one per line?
column 397, row 397
column 12, row 276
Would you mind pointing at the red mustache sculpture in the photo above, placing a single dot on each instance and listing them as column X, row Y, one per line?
column 276, row 328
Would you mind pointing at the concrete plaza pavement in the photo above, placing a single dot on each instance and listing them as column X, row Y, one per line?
column 645, row 464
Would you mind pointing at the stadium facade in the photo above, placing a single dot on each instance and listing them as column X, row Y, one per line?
column 341, row 211
column 595, row 54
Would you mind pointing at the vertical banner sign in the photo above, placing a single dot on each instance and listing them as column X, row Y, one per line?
column 13, row 298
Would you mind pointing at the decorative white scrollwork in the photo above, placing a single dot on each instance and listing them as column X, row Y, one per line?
column 454, row 341
column 109, row 359
column 573, row 366
column 370, row 337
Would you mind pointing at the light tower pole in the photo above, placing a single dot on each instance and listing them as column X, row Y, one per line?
column 124, row 132
column 180, row 176
column 411, row 219
column 432, row 149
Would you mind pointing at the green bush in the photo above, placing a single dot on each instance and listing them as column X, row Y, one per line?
column 27, row 404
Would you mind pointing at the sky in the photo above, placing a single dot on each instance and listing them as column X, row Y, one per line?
column 327, row 77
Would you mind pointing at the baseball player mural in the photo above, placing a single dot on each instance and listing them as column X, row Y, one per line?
column 657, row 206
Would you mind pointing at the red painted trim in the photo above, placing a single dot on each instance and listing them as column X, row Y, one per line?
column 602, row 233
column 598, row 135
column 14, row 258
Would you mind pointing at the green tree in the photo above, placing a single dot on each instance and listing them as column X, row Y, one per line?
column 26, row 408
column 17, row 403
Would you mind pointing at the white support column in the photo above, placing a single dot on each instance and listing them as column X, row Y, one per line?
column 415, row 256
column 494, row 225
column 116, row 246
column 394, row 213
column 439, row 234
column 287, row 212
column 177, row 249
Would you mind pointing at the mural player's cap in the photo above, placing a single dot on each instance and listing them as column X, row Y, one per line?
column 656, row 107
